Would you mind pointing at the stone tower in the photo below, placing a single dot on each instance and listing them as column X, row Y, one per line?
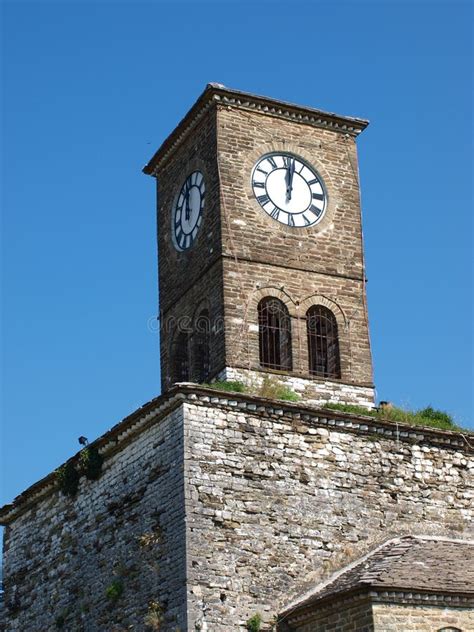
column 212, row 510
column 261, row 263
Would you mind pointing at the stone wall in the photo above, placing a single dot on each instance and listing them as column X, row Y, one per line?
column 321, row 264
column 355, row 616
column 393, row 618
column 313, row 391
column 241, row 255
column 277, row 501
column 63, row 555
column 218, row 506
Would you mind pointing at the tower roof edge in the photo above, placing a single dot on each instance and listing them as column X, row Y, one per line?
column 215, row 93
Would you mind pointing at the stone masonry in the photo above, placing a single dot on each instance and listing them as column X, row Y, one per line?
column 218, row 506
column 241, row 255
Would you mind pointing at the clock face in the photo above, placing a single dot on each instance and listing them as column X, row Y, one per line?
column 187, row 211
column 289, row 190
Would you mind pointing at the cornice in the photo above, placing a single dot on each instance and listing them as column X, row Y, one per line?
column 373, row 595
column 295, row 413
column 217, row 95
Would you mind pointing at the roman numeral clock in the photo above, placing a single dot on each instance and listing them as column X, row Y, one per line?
column 261, row 268
column 289, row 190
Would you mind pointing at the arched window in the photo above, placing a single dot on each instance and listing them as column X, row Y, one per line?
column 274, row 328
column 323, row 342
column 180, row 357
column 201, row 343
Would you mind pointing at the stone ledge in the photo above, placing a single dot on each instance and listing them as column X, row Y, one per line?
column 217, row 94
column 153, row 411
column 370, row 595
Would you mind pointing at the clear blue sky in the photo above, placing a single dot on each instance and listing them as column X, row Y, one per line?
column 90, row 90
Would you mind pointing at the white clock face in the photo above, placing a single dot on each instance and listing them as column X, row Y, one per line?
column 289, row 190
column 187, row 211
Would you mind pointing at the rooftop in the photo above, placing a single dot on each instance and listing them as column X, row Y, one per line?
column 412, row 564
column 215, row 93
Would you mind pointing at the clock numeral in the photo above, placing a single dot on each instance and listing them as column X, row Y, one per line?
column 286, row 161
column 314, row 209
column 301, row 168
column 263, row 199
column 272, row 162
column 291, row 220
column 307, row 221
column 262, row 171
column 259, row 185
column 275, row 213
column 318, row 196
column 310, row 182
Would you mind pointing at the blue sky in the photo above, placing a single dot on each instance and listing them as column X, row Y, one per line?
column 89, row 90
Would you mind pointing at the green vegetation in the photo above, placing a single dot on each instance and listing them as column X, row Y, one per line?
column 254, row 624
column 272, row 389
column 114, row 591
column 424, row 417
column 231, row 386
column 91, row 462
column 269, row 388
column 68, row 479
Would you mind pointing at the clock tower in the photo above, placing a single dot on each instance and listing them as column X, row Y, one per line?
column 261, row 262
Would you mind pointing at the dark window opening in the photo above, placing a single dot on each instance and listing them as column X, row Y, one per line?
column 323, row 342
column 274, row 327
column 181, row 358
column 202, row 330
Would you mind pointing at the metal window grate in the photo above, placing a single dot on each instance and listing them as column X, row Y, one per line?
column 274, row 326
column 181, row 357
column 323, row 342
column 202, row 329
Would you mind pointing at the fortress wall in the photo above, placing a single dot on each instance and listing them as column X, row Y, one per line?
column 279, row 502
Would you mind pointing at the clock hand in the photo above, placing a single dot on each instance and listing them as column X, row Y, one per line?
column 290, row 172
column 187, row 213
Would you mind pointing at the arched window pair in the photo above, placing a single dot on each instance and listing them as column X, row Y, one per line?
column 191, row 351
column 274, row 325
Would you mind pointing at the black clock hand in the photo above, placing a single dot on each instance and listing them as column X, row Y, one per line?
column 187, row 213
column 290, row 172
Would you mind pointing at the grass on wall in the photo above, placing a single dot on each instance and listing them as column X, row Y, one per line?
column 269, row 388
column 424, row 417
column 272, row 389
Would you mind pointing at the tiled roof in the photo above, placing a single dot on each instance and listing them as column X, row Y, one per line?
column 411, row 563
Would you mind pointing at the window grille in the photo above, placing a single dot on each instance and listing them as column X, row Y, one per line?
column 274, row 326
column 202, row 330
column 180, row 357
column 323, row 342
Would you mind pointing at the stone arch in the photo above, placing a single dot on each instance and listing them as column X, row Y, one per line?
column 327, row 301
column 274, row 334
column 343, row 332
column 280, row 292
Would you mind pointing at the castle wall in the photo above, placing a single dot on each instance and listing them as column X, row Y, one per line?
column 63, row 555
column 218, row 506
column 279, row 501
